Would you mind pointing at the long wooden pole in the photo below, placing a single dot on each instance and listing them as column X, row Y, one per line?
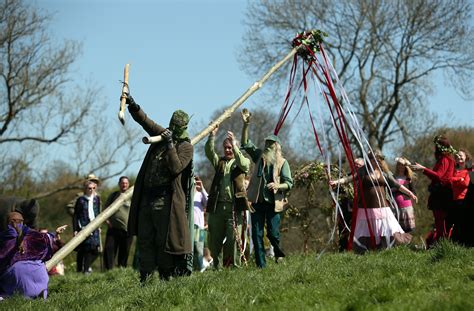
column 123, row 99
column 109, row 211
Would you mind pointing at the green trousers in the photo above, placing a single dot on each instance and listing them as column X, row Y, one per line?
column 222, row 237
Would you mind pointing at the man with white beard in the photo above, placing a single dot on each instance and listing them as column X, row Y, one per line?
column 270, row 181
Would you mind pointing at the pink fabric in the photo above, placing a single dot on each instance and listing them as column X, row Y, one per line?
column 401, row 199
column 382, row 220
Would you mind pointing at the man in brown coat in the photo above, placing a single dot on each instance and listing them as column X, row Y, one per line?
column 158, row 212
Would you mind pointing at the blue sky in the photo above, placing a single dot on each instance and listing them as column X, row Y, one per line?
column 182, row 55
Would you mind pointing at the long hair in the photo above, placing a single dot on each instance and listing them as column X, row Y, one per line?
column 443, row 147
column 275, row 156
column 379, row 157
column 407, row 171
column 468, row 161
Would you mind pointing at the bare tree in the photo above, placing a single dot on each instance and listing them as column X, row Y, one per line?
column 42, row 111
column 33, row 73
column 262, row 125
column 386, row 53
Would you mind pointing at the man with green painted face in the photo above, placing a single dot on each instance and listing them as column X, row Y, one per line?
column 270, row 181
column 159, row 211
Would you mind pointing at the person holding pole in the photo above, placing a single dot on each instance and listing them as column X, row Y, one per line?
column 227, row 200
column 270, row 181
column 159, row 208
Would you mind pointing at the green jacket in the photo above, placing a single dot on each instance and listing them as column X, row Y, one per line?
column 228, row 184
column 264, row 174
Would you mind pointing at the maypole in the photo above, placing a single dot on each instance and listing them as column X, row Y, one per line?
column 109, row 211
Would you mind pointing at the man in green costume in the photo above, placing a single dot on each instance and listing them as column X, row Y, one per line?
column 159, row 212
column 227, row 200
column 270, row 181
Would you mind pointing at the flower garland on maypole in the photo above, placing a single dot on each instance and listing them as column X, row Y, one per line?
column 321, row 72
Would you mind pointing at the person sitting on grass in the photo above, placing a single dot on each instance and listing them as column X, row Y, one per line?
column 23, row 252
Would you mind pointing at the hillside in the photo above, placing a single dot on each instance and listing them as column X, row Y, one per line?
column 397, row 279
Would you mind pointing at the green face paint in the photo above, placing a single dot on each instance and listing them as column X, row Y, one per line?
column 179, row 124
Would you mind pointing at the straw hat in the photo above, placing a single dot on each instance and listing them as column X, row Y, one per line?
column 93, row 178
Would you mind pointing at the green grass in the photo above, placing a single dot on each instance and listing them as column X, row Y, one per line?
column 397, row 279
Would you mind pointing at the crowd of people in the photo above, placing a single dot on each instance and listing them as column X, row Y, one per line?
column 180, row 227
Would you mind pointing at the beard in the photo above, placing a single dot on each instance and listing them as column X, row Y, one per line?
column 269, row 155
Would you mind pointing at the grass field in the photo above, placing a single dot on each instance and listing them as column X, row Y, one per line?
column 397, row 279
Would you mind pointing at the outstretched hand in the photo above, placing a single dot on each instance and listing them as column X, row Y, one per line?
column 129, row 99
column 60, row 230
column 246, row 115
column 214, row 130
column 417, row 167
column 231, row 137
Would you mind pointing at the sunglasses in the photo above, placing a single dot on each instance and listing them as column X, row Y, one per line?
column 91, row 188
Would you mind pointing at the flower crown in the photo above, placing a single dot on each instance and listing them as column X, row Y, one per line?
column 442, row 148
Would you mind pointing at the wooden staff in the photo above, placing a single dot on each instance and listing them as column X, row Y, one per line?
column 123, row 98
column 109, row 211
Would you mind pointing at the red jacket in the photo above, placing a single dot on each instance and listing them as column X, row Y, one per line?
column 442, row 171
column 460, row 183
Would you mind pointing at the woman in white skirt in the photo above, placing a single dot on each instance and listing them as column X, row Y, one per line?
column 376, row 227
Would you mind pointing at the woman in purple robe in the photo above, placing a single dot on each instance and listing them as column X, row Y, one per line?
column 23, row 252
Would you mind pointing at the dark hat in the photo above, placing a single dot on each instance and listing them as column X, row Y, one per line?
column 179, row 118
column 274, row 138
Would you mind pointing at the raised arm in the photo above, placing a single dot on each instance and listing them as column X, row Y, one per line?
column 141, row 118
column 246, row 115
column 210, row 149
column 441, row 174
column 240, row 160
column 393, row 183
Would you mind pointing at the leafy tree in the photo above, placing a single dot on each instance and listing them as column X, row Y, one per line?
column 386, row 53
